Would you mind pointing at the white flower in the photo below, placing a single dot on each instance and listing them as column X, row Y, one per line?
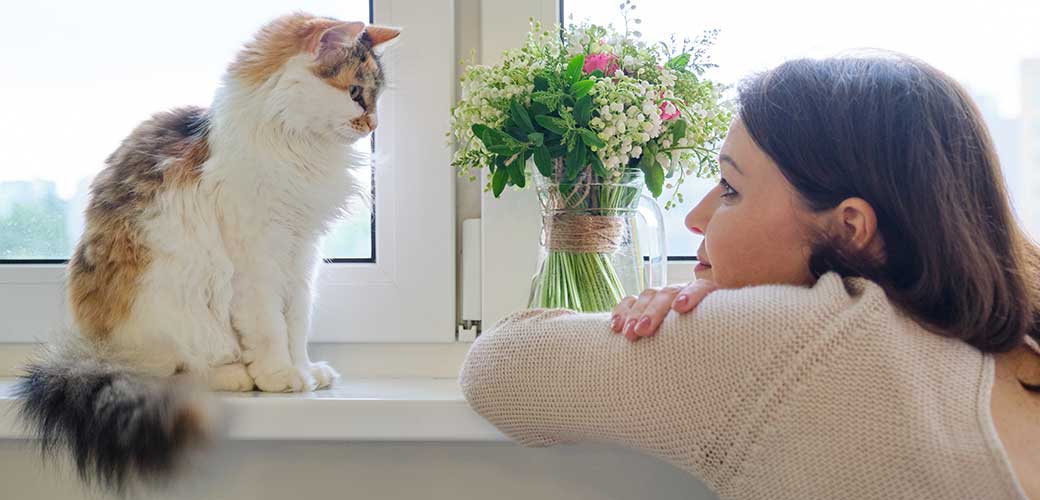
column 617, row 106
column 604, row 112
column 644, row 137
column 684, row 142
column 629, row 61
column 609, row 132
column 666, row 144
column 620, row 126
column 636, row 152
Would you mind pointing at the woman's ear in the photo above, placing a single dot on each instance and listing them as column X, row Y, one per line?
column 857, row 227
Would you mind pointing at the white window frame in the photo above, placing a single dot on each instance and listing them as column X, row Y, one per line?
column 407, row 295
column 510, row 224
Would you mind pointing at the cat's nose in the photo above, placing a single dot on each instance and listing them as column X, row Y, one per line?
column 364, row 123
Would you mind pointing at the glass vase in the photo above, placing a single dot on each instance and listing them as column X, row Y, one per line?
column 601, row 240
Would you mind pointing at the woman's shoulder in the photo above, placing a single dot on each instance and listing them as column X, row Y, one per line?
column 832, row 298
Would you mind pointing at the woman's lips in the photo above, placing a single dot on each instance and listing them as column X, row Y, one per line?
column 702, row 266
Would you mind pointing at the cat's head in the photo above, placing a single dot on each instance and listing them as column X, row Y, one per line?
column 318, row 75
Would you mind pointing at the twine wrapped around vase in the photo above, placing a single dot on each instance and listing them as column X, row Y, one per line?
column 570, row 232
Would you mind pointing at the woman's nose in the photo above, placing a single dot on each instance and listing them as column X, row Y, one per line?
column 698, row 218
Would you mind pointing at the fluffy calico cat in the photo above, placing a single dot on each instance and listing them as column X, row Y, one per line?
column 200, row 248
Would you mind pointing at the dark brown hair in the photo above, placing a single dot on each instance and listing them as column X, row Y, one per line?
column 910, row 141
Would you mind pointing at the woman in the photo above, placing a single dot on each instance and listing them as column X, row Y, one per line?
column 869, row 315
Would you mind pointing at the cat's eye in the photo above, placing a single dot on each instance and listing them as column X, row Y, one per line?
column 355, row 92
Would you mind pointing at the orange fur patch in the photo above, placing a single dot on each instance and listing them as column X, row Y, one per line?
column 103, row 275
column 276, row 43
column 165, row 152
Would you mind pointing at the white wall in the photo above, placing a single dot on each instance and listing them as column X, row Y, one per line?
column 305, row 471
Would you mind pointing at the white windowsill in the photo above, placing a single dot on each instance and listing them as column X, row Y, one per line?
column 360, row 409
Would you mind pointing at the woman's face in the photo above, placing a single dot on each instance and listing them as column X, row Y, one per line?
column 756, row 229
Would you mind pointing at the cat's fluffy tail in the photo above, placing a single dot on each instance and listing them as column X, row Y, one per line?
column 119, row 425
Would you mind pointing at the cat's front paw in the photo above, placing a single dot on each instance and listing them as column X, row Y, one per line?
column 232, row 377
column 324, row 375
column 281, row 378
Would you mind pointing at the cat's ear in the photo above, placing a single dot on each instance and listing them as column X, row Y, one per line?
column 380, row 37
column 338, row 36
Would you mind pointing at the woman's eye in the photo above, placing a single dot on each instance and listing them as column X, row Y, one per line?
column 355, row 92
column 727, row 190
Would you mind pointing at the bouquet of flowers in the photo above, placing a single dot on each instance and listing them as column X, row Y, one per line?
column 591, row 108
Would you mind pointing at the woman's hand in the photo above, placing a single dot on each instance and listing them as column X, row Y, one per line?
column 639, row 317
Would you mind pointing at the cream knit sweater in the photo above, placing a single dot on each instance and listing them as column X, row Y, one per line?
column 775, row 392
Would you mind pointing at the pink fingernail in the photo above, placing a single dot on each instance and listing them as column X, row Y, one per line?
column 630, row 327
column 681, row 300
column 644, row 323
column 615, row 323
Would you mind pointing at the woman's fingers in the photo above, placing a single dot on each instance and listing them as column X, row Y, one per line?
column 641, row 316
column 692, row 295
column 635, row 312
column 617, row 322
column 656, row 311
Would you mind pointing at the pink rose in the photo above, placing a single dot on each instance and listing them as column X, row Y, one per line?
column 666, row 114
column 607, row 63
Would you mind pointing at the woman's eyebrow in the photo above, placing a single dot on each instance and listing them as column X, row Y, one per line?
column 726, row 158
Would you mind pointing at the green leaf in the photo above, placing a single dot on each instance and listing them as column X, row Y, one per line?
column 552, row 124
column 598, row 73
column 599, row 167
column 678, row 62
column 575, row 161
column 543, row 160
column 678, row 130
column 646, row 160
column 516, row 170
column 520, row 116
column 483, row 132
column 654, row 174
column 590, row 138
column 583, row 110
column 538, row 108
column 581, row 88
column 517, row 133
column 535, row 138
column 541, row 83
column 502, row 149
column 498, row 182
column 574, row 68
column 500, row 137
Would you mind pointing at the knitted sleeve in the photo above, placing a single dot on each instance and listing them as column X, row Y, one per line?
column 696, row 394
